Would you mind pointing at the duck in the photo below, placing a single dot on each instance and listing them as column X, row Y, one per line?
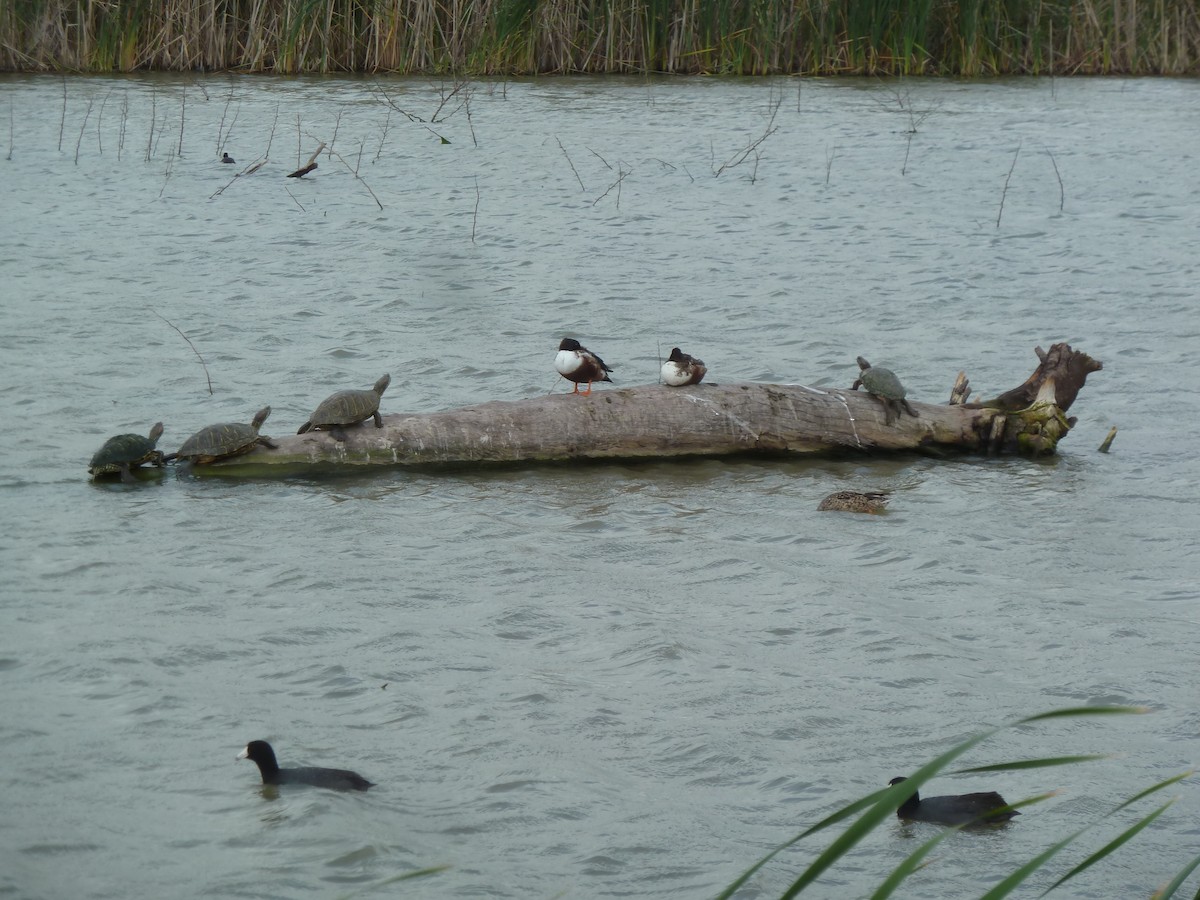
column 263, row 754
column 986, row 808
column 226, row 158
column 681, row 369
column 577, row 363
column 855, row 501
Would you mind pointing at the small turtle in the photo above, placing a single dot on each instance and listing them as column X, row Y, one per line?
column 681, row 369
column 883, row 384
column 577, row 363
column 855, row 501
column 124, row 452
column 347, row 408
column 223, row 440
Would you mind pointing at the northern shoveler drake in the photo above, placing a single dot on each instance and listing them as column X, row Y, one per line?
column 855, row 501
column 579, row 364
column 986, row 808
column 226, row 158
column 681, row 369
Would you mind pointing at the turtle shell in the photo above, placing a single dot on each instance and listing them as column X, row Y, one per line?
column 347, row 407
column 222, row 440
column 125, row 451
column 882, row 383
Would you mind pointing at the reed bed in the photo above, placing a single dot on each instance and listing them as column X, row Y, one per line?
column 519, row 37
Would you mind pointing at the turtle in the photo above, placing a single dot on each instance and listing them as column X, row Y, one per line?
column 223, row 440
column 855, row 501
column 124, row 452
column 883, row 384
column 347, row 408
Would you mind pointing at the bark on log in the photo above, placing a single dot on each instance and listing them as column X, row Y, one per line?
column 655, row 421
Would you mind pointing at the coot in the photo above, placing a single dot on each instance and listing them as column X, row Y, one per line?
column 337, row 779
column 961, row 809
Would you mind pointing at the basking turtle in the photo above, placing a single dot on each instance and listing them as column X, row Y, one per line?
column 124, row 452
column 223, row 440
column 883, row 384
column 347, row 408
column 855, row 501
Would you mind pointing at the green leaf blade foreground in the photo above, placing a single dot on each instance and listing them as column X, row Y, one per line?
column 1168, row 890
column 1042, row 763
column 883, row 804
column 1110, row 847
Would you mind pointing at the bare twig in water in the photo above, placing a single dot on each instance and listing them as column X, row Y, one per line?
column 271, row 136
column 182, row 112
column 100, row 120
column 907, row 150
column 1007, row 179
column 79, row 140
column 294, row 200
column 153, row 107
column 299, row 143
column 166, row 175
column 124, row 123
column 353, row 172
column 569, row 163
column 621, row 173
column 336, row 125
column 194, row 350
column 1108, row 439
column 62, row 124
column 221, row 124
column 10, row 127
column 599, row 157
column 830, row 156
column 752, row 148
column 410, row 116
column 475, row 216
column 387, row 124
column 1062, row 194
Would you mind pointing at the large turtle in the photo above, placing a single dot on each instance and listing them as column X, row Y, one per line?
column 347, row 408
column 883, row 384
column 223, row 440
column 124, row 452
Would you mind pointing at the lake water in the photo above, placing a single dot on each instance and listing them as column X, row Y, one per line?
column 603, row 680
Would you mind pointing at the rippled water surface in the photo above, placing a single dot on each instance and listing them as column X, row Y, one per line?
column 604, row 680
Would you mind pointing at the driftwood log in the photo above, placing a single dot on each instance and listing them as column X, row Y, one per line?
column 656, row 422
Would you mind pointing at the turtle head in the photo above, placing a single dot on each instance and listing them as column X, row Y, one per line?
column 382, row 384
column 260, row 417
column 156, row 432
column 863, row 364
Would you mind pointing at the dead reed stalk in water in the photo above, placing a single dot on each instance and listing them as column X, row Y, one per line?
column 11, row 127
column 1062, row 194
column 182, row 113
column 62, row 123
column 203, row 365
column 1007, row 179
column 100, row 120
column 153, row 107
column 124, row 122
column 475, row 215
column 82, row 128
column 582, row 187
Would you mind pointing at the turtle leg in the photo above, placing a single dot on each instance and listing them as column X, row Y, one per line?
column 378, row 419
column 908, row 408
column 126, row 475
column 857, row 384
column 267, row 442
column 889, row 412
column 157, row 458
column 336, row 432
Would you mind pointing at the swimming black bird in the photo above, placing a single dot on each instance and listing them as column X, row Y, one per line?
column 226, row 158
column 337, row 779
column 987, row 808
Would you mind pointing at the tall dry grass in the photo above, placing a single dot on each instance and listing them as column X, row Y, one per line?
column 486, row 37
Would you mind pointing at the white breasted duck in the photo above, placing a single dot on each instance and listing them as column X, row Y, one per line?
column 578, row 364
column 681, row 369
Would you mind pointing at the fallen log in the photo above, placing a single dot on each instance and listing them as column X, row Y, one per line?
column 656, row 422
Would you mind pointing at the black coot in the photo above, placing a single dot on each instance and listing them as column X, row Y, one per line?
column 338, row 779
column 961, row 809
